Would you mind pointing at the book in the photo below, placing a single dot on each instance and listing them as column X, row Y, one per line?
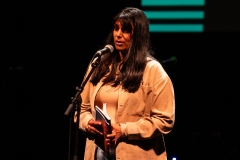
column 102, row 115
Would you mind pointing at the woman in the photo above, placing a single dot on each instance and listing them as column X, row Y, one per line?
column 138, row 93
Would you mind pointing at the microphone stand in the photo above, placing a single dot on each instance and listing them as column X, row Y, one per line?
column 76, row 101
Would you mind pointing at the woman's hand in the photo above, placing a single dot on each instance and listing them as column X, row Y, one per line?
column 116, row 134
column 94, row 127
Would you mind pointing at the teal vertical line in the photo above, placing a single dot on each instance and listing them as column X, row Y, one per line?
column 172, row 2
column 176, row 27
column 174, row 14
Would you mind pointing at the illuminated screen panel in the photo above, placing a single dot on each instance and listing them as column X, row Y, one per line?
column 175, row 15
column 173, row 2
column 176, row 28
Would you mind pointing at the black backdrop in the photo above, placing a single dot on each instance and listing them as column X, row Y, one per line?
column 46, row 47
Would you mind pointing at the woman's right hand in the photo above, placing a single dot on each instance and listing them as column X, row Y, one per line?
column 94, row 127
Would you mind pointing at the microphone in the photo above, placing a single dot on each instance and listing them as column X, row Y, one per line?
column 172, row 59
column 108, row 48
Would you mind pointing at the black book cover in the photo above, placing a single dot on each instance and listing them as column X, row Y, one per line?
column 101, row 115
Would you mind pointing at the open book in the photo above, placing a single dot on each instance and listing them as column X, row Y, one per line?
column 101, row 115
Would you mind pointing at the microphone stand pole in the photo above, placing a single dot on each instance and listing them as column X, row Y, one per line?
column 76, row 101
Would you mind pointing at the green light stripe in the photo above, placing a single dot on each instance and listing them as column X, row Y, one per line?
column 172, row 2
column 176, row 27
column 174, row 14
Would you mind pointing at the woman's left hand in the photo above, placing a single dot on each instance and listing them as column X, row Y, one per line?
column 116, row 134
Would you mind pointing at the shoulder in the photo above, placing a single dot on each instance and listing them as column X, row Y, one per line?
column 155, row 68
column 152, row 62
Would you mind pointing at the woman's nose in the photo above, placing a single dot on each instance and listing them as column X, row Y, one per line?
column 119, row 32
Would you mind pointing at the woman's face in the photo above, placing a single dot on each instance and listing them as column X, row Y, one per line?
column 122, row 38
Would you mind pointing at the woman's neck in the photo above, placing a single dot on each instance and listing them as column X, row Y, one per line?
column 122, row 55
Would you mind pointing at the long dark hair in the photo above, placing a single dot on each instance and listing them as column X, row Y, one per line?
column 135, row 60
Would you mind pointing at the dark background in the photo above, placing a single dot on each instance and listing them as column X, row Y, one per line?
column 46, row 47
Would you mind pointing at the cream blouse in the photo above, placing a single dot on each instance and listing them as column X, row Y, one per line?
column 109, row 95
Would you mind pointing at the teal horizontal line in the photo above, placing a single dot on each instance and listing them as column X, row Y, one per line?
column 174, row 14
column 176, row 27
column 172, row 2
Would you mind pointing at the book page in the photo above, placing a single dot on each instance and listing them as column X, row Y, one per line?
column 105, row 110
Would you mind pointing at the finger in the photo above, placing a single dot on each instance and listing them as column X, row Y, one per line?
column 111, row 136
column 90, row 129
column 107, row 141
column 93, row 130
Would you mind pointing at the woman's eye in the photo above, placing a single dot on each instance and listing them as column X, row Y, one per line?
column 116, row 28
column 125, row 30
